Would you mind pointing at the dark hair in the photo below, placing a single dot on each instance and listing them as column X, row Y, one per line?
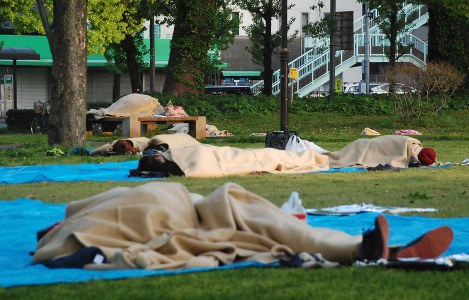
column 122, row 147
column 160, row 147
column 158, row 163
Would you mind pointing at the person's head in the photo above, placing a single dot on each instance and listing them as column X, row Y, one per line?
column 160, row 147
column 427, row 156
column 158, row 163
column 123, row 147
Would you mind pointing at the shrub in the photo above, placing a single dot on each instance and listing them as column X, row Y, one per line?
column 20, row 119
column 428, row 90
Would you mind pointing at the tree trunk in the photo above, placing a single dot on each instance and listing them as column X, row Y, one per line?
column 67, row 119
column 173, row 84
column 393, row 38
column 267, row 59
column 192, row 35
column 132, row 64
column 116, row 87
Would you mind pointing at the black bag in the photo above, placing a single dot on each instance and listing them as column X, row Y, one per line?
column 278, row 139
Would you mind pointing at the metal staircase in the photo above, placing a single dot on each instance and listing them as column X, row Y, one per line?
column 313, row 65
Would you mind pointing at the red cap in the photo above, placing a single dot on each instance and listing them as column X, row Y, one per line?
column 427, row 156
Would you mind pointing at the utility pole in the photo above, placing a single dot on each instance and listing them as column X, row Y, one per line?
column 332, row 49
column 284, row 70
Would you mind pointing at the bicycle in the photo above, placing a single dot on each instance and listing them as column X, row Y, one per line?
column 40, row 121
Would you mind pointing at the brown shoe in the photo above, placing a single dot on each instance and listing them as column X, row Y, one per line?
column 430, row 245
column 375, row 242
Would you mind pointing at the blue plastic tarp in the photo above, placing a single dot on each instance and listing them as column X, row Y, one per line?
column 108, row 171
column 20, row 219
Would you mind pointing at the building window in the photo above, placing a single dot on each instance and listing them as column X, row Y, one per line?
column 235, row 16
column 304, row 21
column 157, row 28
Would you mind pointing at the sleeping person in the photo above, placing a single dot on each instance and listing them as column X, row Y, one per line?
column 161, row 225
column 122, row 146
column 398, row 151
column 202, row 160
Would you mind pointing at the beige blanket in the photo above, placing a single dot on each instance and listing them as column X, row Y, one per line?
column 132, row 105
column 158, row 226
column 212, row 161
column 395, row 150
column 174, row 140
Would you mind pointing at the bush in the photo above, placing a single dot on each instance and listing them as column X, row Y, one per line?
column 236, row 105
column 20, row 119
column 429, row 89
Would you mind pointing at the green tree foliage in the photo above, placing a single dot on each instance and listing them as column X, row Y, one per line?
column 448, row 36
column 321, row 28
column 265, row 42
column 392, row 23
column 23, row 14
column 126, row 54
column 108, row 21
column 198, row 26
column 459, row 7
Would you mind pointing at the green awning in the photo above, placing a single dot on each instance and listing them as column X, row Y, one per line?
column 40, row 45
column 241, row 73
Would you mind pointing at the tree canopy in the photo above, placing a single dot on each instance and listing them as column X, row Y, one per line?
column 265, row 42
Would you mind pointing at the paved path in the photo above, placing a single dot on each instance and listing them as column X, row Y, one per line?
column 9, row 146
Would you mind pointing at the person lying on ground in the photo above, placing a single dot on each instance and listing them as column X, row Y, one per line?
column 161, row 225
column 398, row 151
column 204, row 160
column 163, row 142
column 122, row 146
column 213, row 161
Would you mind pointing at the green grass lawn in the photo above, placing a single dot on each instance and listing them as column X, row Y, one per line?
column 444, row 189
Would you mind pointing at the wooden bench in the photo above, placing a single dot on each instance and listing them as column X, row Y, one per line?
column 138, row 126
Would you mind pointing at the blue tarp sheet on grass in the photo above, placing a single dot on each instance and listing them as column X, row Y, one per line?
column 115, row 171
column 109, row 171
column 20, row 219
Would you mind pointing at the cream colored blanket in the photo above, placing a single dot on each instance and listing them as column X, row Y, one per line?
column 212, row 161
column 395, row 150
column 136, row 105
column 158, row 226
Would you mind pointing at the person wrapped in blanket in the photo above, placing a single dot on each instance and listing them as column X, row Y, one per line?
column 394, row 151
column 159, row 143
column 161, row 225
column 122, row 147
column 390, row 152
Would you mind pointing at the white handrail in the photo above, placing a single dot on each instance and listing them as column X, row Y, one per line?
column 311, row 60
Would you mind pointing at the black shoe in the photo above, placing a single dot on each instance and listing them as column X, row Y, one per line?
column 79, row 259
column 375, row 242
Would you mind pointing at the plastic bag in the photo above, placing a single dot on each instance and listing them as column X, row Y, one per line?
column 294, row 206
column 296, row 144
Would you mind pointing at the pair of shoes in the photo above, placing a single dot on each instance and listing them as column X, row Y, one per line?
column 375, row 242
column 430, row 245
column 306, row 261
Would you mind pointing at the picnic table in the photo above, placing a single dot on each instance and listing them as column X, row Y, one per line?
column 138, row 126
